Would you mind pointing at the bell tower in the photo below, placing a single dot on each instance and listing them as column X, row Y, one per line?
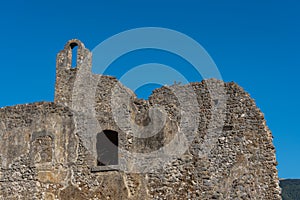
column 66, row 73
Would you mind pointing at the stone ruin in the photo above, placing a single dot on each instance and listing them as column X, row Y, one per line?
column 97, row 140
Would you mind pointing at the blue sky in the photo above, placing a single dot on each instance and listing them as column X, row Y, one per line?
column 254, row 43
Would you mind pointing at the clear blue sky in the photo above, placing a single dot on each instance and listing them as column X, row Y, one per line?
column 254, row 43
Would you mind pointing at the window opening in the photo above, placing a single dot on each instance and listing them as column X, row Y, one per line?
column 107, row 148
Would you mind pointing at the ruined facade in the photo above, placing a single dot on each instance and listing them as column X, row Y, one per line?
column 98, row 141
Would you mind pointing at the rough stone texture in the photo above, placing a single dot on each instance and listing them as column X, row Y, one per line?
column 48, row 153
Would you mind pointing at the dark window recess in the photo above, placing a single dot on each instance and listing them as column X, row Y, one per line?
column 107, row 148
column 227, row 128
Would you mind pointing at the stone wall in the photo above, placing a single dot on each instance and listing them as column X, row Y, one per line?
column 49, row 150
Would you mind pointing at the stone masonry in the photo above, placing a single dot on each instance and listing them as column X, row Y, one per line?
column 96, row 141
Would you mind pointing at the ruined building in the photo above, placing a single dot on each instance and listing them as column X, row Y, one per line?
column 97, row 140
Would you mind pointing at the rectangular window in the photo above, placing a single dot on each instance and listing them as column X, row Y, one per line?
column 107, row 148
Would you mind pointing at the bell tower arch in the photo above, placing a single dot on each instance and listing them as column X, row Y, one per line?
column 66, row 73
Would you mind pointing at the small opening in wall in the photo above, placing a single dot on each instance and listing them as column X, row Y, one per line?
column 216, row 101
column 74, row 48
column 107, row 148
column 227, row 128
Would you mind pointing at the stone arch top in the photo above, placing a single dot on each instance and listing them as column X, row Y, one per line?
column 64, row 57
column 73, row 43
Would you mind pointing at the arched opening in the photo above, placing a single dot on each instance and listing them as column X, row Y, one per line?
column 107, row 148
column 74, row 47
